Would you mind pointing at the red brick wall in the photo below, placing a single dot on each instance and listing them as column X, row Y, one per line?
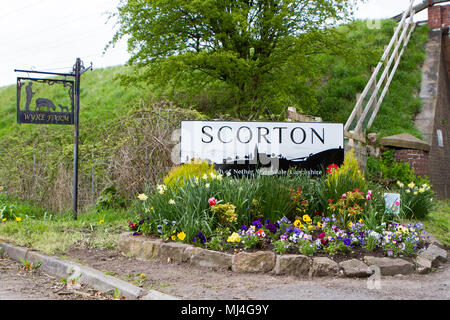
column 416, row 158
column 439, row 17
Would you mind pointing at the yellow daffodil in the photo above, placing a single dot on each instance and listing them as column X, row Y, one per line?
column 4, row 220
column 142, row 197
column 181, row 235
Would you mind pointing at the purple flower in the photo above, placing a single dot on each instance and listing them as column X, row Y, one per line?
column 270, row 226
column 244, row 228
column 257, row 223
column 199, row 237
column 141, row 222
column 136, row 234
column 347, row 242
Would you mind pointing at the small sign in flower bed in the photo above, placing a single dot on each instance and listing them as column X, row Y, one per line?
column 337, row 215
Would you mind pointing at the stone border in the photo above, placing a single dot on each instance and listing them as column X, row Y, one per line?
column 270, row 262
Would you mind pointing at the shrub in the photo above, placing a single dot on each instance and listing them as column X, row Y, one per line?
column 416, row 202
column 387, row 171
column 346, row 178
column 195, row 169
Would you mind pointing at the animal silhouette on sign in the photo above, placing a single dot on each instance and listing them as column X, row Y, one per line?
column 44, row 103
column 64, row 108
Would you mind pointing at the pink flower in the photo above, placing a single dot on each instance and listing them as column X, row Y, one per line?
column 344, row 196
column 397, row 203
column 369, row 193
column 212, row 201
column 368, row 197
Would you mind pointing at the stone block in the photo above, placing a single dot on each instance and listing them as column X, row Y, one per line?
column 322, row 267
column 262, row 261
column 291, row 264
column 390, row 266
column 434, row 255
column 355, row 268
column 208, row 258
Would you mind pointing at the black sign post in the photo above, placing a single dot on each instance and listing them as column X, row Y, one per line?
column 46, row 111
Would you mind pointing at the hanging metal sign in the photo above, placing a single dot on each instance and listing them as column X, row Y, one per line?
column 34, row 108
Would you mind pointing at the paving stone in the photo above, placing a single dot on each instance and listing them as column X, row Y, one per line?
column 291, row 264
column 390, row 266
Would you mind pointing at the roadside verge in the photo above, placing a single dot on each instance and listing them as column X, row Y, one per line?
column 82, row 274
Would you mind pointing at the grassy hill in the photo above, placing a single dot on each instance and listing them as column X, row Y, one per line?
column 36, row 160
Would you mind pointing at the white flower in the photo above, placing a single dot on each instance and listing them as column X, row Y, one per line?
column 207, row 186
column 171, row 201
column 205, row 177
column 228, row 173
column 142, row 197
column 161, row 188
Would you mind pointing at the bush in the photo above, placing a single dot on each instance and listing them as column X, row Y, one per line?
column 195, row 169
column 386, row 171
column 416, row 202
column 346, row 178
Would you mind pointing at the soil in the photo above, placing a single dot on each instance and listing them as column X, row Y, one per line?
column 196, row 283
column 16, row 283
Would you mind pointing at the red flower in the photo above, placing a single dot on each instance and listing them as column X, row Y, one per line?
column 332, row 168
column 299, row 190
column 212, row 202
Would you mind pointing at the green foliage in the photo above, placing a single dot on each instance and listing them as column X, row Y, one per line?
column 416, row 200
column 229, row 52
column 225, row 213
column 387, row 171
column 109, row 198
column 347, row 178
column 178, row 176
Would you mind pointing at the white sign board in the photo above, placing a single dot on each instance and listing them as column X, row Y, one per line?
column 245, row 147
column 392, row 201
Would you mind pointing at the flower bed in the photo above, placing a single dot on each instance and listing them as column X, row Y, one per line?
column 337, row 214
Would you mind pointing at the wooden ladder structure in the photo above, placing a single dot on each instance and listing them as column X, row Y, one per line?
column 364, row 113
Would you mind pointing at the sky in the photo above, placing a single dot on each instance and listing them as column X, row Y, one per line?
column 49, row 35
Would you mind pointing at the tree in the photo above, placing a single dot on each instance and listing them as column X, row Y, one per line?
column 237, row 49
